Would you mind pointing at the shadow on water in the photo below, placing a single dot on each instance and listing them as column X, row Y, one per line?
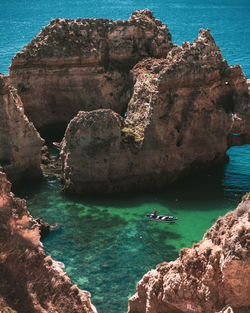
column 108, row 254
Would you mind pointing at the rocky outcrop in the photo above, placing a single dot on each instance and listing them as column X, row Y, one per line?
column 31, row 281
column 211, row 276
column 182, row 114
column 92, row 139
column 84, row 64
column 20, row 143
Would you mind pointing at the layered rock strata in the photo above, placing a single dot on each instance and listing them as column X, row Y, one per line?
column 20, row 143
column 182, row 114
column 84, row 64
column 31, row 281
column 211, row 276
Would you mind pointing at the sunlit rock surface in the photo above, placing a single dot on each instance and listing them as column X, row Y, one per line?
column 31, row 281
column 212, row 276
column 20, row 143
column 84, row 64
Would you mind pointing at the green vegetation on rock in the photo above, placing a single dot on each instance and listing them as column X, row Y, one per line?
column 7, row 309
column 132, row 133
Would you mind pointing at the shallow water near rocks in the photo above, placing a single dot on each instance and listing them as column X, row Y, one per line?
column 107, row 244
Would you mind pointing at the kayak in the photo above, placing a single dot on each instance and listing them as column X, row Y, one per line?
column 57, row 144
column 161, row 218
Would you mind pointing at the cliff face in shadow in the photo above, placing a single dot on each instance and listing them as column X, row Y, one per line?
column 31, row 281
column 20, row 143
column 182, row 113
column 84, row 64
column 209, row 277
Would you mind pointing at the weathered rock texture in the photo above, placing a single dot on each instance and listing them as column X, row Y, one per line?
column 84, row 64
column 181, row 116
column 20, row 143
column 31, row 281
column 209, row 277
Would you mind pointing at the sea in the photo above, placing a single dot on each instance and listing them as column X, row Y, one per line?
column 106, row 243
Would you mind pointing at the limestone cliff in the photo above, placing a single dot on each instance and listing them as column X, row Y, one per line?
column 20, row 143
column 31, row 281
column 182, row 114
column 209, row 277
column 84, row 64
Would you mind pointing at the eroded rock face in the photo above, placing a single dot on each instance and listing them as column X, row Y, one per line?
column 84, row 64
column 211, row 276
column 181, row 116
column 30, row 280
column 20, row 143
column 91, row 136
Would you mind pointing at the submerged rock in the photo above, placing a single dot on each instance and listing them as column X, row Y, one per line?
column 31, row 281
column 84, row 64
column 20, row 143
column 52, row 167
column 211, row 276
column 182, row 112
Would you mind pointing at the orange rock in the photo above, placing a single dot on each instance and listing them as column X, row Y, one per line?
column 20, row 143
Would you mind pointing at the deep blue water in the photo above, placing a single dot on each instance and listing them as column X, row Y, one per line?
column 106, row 244
column 228, row 20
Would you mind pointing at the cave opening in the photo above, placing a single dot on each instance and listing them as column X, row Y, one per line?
column 53, row 132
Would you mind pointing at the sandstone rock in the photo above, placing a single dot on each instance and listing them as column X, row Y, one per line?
column 51, row 166
column 181, row 116
column 84, row 64
column 45, row 159
column 209, row 277
column 30, row 281
column 89, row 137
column 20, row 143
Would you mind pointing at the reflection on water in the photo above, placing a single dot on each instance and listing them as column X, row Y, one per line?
column 107, row 244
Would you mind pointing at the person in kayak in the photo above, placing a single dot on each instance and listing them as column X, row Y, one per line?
column 155, row 213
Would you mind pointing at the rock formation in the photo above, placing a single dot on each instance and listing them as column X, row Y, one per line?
column 211, row 276
column 84, row 64
column 181, row 116
column 31, row 281
column 20, row 143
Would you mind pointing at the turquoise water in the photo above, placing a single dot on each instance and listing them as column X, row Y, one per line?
column 107, row 244
column 21, row 20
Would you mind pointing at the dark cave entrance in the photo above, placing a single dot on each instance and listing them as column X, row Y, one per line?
column 53, row 132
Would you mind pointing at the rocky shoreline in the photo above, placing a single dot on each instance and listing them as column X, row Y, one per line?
column 30, row 280
column 142, row 112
